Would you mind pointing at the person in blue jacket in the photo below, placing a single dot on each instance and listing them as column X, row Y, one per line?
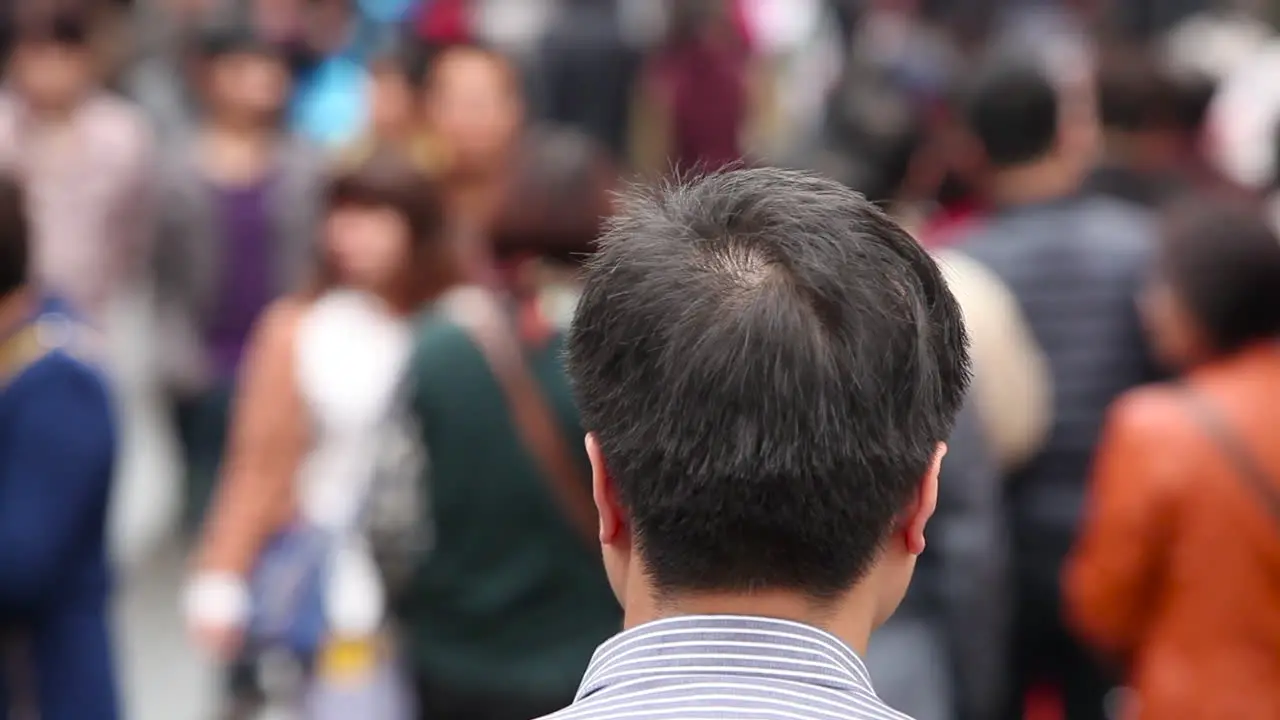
column 57, row 452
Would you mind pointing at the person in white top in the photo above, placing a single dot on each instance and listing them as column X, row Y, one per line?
column 319, row 382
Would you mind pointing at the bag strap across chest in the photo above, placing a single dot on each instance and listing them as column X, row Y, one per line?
column 481, row 316
column 1248, row 466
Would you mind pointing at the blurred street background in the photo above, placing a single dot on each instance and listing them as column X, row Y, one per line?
column 177, row 156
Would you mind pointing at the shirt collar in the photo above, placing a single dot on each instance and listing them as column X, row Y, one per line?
column 726, row 645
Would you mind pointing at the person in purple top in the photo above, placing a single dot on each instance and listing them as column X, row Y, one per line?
column 237, row 224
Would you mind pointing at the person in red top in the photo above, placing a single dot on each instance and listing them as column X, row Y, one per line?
column 700, row 79
column 475, row 111
column 960, row 167
column 445, row 21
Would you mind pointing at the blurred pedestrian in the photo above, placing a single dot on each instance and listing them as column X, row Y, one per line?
column 505, row 613
column 330, row 103
column 238, row 212
column 304, row 492
column 904, row 169
column 57, row 457
column 1146, row 149
column 555, row 205
column 86, row 159
column 475, row 112
column 943, row 653
column 882, row 122
column 698, row 87
column 1074, row 263
column 1175, row 573
column 587, row 70
column 161, row 75
column 396, row 124
column 395, row 95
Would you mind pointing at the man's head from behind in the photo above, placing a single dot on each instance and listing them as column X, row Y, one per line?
column 1023, row 114
column 767, row 367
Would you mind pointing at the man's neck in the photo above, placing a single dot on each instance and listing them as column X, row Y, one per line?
column 1033, row 183
column 851, row 619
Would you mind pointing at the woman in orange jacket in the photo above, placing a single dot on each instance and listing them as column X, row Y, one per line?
column 1177, row 574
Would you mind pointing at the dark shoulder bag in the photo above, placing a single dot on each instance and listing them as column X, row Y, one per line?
column 485, row 322
column 1249, row 468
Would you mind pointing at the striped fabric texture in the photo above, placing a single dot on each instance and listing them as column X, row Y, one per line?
column 721, row 666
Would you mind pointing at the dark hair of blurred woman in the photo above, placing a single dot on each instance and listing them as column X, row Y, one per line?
column 1184, row 508
column 1216, row 288
column 364, row 202
column 557, row 197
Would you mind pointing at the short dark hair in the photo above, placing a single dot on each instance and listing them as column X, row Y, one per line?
column 1135, row 93
column 768, row 362
column 406, row 59
column 223, row 42
column 893, row 162
column 64, row 27
column 1222, row 259
column 389, row 180
column 15, row 236
column 1193, row 94
column 557, row 198
column 1012, row 109
column 875, row 130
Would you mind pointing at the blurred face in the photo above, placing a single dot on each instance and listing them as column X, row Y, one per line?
column 51, row 75
column 391, row 103
column 249, row 86
column 474, row 107
column 369, row 246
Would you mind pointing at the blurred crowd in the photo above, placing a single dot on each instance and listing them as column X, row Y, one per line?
column 357, row 222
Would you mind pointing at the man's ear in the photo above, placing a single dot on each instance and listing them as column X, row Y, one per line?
column 612, row 521
column 925, row 502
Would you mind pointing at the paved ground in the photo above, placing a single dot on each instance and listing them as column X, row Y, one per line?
column 163, row 677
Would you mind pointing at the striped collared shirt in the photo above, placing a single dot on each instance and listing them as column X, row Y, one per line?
column 717, row 666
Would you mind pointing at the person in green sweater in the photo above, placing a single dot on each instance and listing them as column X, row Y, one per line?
column 505, row 611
